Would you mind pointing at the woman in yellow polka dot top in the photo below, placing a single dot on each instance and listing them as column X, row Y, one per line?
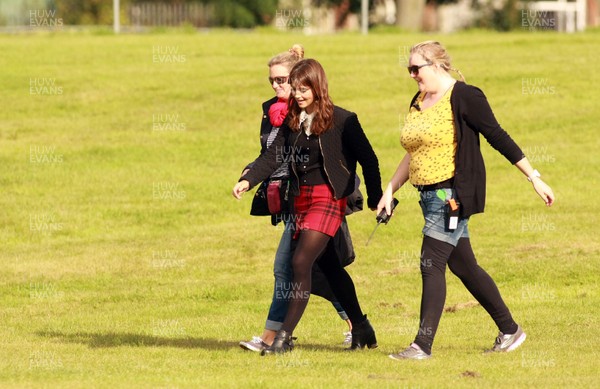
column 444, row 162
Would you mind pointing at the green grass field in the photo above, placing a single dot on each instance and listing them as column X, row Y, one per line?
column 127, row 263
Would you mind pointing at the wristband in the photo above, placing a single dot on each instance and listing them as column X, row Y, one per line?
column 533, row 175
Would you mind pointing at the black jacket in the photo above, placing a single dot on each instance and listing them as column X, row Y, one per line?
column 265, row 128
column 342, row 146
column 473, row 116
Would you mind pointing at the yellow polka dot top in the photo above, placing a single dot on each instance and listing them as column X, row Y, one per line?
column 429, row 137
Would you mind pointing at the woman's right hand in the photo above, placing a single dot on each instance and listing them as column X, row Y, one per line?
column 398, row 179
column 239, row 189
column 386, row 200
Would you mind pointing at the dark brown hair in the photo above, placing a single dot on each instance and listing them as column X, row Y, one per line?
column 309, row 73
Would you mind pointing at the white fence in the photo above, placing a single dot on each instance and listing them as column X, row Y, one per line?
column 162, row 14
column 42, row 14
column 569, row 16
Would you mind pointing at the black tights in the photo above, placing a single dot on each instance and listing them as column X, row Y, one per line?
column 313, row 245
column 461, row 261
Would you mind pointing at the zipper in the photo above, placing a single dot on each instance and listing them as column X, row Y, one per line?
column 344, row 167
column 293, row 164
column 325, row 169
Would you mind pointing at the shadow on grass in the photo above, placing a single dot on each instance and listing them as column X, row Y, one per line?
column 114, row 339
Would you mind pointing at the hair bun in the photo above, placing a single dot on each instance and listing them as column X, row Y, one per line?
column 297, row 50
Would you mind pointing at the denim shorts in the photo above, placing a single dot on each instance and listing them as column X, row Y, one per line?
column 434, row 212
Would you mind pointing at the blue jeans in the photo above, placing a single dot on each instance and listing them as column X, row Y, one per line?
column 434, row 213
column 282, row 270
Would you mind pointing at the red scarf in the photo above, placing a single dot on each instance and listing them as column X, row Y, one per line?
column 277, row 112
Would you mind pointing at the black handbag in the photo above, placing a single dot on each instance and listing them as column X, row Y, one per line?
column 344, row 248
column 259, row 202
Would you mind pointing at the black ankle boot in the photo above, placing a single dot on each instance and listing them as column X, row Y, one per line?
column 282, row 344
column 363, row 335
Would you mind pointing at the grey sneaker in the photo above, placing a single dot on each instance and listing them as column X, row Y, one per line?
column 506, row 343
column 256, row 344
column 347, row 338
column 412, row 352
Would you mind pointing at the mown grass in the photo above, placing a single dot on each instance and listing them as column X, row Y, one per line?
column 126, row 262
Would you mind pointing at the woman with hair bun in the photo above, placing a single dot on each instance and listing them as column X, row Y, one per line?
column 325, row 142
column 274, row 112
column 444, row 162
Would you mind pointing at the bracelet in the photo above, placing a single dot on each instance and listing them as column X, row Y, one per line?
column 533, row 175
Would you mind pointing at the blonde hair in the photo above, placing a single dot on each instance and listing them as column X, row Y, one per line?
column 288, row 58
column 435, row 53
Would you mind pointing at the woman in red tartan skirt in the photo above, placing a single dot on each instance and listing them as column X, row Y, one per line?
column 323, row 144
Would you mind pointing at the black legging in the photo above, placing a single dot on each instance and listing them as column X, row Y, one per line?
column 461, row 261
column 311, row 246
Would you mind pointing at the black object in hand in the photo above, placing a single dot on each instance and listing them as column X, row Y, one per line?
column 383, row 217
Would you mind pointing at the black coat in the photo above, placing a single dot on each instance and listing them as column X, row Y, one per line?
column 265, row 127
column 342, row 146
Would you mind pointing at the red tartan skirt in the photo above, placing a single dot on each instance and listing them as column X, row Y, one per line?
column 317, row 210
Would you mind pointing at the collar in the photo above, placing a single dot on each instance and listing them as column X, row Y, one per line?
column 308, row 118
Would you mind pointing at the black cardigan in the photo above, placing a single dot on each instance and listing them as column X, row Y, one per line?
column 473, row 116
column 342, row 146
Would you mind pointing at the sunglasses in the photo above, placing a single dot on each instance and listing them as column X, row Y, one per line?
column 278, row 80
column 415, row 68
